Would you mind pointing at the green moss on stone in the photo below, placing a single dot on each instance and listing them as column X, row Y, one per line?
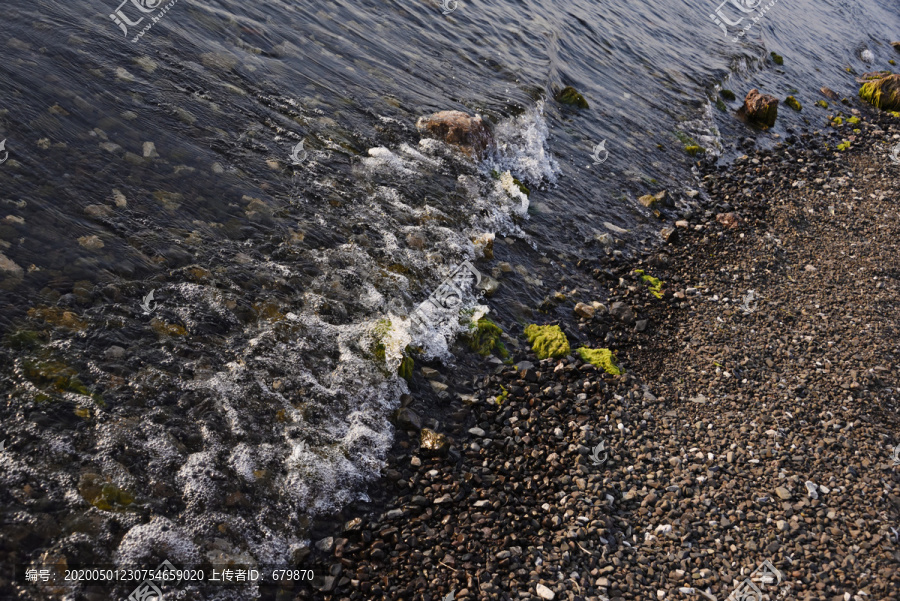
column 405, row 370
column 822, row 104
column 728, row 95
column 547, row 341
column 601, row 357
column 882, row 93
column 484, row 338
column 777, row 58
column 853, row 120
column 793, row 103
column 570, row 95
column 844, row 145
column 500, row 398
column 655, row 284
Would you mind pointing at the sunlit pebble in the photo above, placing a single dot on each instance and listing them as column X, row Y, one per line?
column 867, row 56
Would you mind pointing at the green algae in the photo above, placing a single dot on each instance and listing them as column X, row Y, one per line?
column 853, row 120
column 777, row 58
column 484, row 338
column 654, row 284
column 690, row 144
column 405, row 370
column 603, row 358
column 105, row 496
column 874, row 93
column 822, row 104
column 793, row 103
column 547, row 341
column 500, row 398
column 844, row 145
column 727, row 95
column 569, row 95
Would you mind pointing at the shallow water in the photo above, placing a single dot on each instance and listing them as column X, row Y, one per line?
column 245, row 396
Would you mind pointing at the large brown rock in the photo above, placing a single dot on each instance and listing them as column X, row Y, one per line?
column 883, row 93
column 760, row 108
column 470, row 134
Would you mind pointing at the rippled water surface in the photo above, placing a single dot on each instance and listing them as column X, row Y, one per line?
column 252, row 392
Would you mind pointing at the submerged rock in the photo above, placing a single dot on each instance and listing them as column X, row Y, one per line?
column 882, row 93
column 602, row 358
column 470, row 134
column 760, row 108
column 793, row 103
column 569, row 95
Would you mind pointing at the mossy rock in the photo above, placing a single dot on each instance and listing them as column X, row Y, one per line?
column 728, row 95
column 54, row 376
column 102, row 494
column 777, row 58
column 822, row 103
column 694, row 149
column 484, row 338
column 24, row 340
column 569, row 95
column 853, row 120
column 654, row 284
column 843, row 145
column 690, row 144
column 602, row 358
column 58, row 317
column 837, row 121
column 167, row 329
column 547, row 341
column 501, row 398
column 882, row 93
column 405, row 370
column 793, row 103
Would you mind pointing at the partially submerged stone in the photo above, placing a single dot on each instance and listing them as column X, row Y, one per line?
column 547, row 341
column 651, row 200
column 602, row 358
column 883, row 93
column 569, row 95
column 793, row 103
column 760, row 108
column 470, row 134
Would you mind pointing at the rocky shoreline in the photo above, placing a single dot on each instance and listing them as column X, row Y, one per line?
column 748, row 426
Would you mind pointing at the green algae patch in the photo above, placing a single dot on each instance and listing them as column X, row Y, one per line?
column 690, row 144
column 58, row 317
column 728, row 95
column 500, row 398
column 793, row 103
column 844, row 145
column 25, row 340
column 56, row 377
column 837, row 121
column 602, row 358
column 104, row 495
column 405, row 370
column 547, row 341
column 853, row 120
column 484, row 338
column 654, row 284
column 882, row 93
column 822, row 103
column 569, row 95
column 777, row 58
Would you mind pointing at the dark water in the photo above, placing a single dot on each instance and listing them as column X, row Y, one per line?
column 207, row 424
